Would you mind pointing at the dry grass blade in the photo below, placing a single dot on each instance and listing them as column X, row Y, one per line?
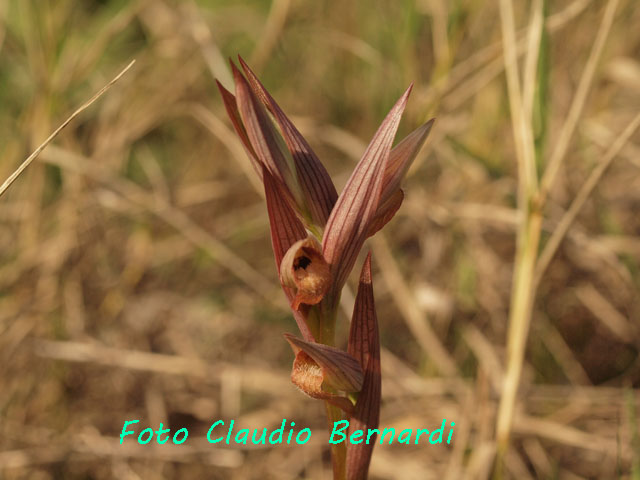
column 578, row 102
column 416, row 320
column 486, row 355
column 196, row 235
column 568, row 435
column 531, row 61
column 136, row 267
column 564, row 356
column 12, row 178
column 607, row 314
column 257, row 379
column 272, row 30
column 521, row 123
column 585, row 191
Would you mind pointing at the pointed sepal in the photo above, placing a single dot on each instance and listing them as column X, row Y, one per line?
column 364, row 345
column 386, row 211
column 350, row 219
column 265, row 140
column 231, row 107
column 286, row 229
column 401, row 158
column 319, row 192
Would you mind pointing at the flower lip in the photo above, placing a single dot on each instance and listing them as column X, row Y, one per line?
column 304, row 269
column 330, row 367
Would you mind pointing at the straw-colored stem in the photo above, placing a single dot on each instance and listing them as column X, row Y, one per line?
column 522, row 293
column 519, row 321
column 531, row 198
column 521, row 125
column 338, row 450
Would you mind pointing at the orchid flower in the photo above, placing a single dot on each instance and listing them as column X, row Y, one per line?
column 316, row 237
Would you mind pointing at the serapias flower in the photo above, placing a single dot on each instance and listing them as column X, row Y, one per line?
column 304, row 269
column 316, row 237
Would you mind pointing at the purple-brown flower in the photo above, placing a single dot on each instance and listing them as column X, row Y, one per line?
column 316, row 237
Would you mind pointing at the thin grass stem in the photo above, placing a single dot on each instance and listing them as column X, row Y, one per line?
column 12, row 178
column 585, row 191
column 577, row 105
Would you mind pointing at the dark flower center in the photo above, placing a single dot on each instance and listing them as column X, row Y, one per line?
column 301, row 262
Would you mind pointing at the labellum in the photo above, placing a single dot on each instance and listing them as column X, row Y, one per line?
column 325, row 372
column 304, row 269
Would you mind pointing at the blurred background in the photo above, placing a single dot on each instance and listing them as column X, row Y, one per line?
column 136, row 274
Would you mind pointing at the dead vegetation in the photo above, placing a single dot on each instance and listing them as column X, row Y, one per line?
column 136, row 277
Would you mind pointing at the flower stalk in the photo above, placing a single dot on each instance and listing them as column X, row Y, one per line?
column 316, row 236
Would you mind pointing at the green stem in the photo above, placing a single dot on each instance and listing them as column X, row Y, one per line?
column 325, row 316
column 322, row 320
